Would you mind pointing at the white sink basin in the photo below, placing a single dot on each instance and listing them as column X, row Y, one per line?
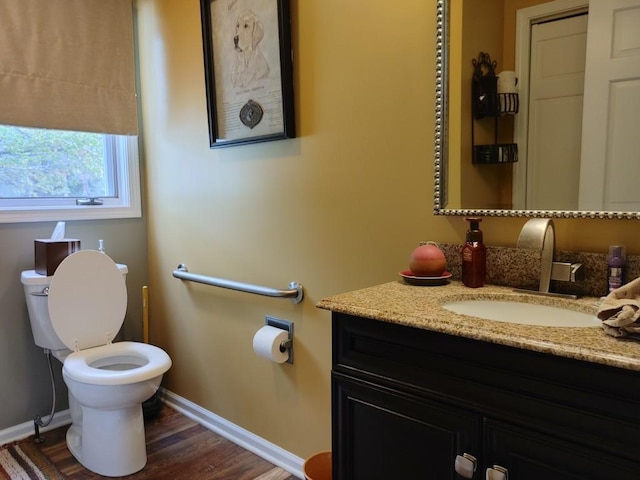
column 523, row 313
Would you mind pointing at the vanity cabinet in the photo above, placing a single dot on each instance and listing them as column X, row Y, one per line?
column 407, row 402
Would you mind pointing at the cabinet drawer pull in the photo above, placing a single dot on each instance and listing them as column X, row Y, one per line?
column 465, row 465
column 497, row 473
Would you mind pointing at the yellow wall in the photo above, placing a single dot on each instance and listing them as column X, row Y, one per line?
column 338, row 208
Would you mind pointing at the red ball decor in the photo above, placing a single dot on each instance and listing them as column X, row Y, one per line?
column 427, row 261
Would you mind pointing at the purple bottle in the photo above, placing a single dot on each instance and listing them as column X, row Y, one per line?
column 615, row 263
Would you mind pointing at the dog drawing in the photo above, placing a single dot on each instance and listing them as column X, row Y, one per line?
column 249, row 63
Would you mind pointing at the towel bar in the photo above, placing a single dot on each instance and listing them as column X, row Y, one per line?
column 295, row 292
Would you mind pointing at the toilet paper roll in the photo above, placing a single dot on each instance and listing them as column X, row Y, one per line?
column 266, row 343
column 507, row 82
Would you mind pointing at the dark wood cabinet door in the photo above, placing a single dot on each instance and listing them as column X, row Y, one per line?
column 528, row 455
column 381, row 434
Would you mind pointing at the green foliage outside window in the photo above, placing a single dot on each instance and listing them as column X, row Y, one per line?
column 39, row 163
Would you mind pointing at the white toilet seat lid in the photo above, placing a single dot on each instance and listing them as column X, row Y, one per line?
column 87, row 300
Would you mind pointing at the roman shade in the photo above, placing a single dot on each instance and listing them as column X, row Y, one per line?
column 68, row 64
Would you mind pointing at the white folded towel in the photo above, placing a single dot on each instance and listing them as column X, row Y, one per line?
column 620, row 310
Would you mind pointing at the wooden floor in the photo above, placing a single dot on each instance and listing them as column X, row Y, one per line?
column 177, row 449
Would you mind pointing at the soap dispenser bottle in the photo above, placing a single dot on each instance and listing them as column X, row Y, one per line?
column 474, row 256
column 615, row 267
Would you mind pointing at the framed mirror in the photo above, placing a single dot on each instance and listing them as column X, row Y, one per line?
column 558, row 171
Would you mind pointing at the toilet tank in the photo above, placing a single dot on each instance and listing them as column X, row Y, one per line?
column 35, row 290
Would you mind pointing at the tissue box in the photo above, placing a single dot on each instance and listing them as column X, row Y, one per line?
column 49, row 253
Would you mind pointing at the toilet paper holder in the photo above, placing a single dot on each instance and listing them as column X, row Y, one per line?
column 283, row 325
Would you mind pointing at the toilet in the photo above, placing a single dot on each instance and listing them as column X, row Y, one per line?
column 76, row 313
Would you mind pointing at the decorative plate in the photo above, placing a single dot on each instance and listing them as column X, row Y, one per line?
column 412, row 279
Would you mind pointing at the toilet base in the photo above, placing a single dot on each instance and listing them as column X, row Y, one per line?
column 109, row 442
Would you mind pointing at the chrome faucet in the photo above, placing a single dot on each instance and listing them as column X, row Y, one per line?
column 539, row 234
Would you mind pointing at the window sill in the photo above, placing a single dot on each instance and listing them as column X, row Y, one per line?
column 71, row 213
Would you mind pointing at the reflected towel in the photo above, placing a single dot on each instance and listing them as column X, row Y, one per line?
column 620, row 310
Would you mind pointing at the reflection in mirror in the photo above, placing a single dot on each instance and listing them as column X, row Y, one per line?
column 574, row 131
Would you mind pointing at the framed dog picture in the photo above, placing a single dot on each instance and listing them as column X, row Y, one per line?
column 248, row 71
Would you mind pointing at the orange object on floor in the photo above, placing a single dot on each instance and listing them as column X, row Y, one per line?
column 318, row 467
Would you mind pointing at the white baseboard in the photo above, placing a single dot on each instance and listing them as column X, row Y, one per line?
column 238, row 435
column 19, row 432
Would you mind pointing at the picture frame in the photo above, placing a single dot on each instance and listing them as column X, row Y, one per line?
column 248, row 71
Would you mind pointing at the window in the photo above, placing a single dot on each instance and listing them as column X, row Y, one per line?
column 68, row 67
column 61, row 175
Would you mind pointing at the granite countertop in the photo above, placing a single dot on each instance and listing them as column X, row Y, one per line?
column 420, row 307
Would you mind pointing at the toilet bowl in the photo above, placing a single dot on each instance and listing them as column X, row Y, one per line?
column 76, row 313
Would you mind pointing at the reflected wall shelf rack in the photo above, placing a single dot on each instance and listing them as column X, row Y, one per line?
column 486, row 105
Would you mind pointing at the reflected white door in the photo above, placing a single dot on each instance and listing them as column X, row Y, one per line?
column 610, row 158
column 556, row 82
